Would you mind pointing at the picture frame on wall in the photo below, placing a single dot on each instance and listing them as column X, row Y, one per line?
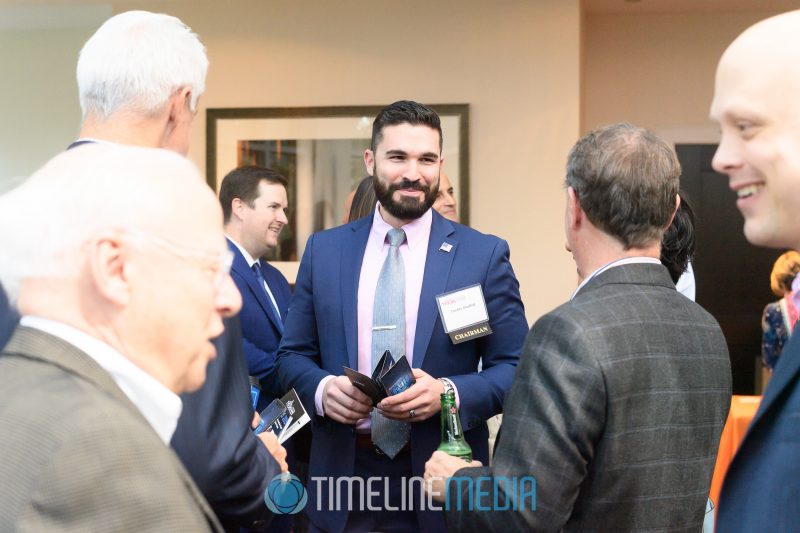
column 319, row 150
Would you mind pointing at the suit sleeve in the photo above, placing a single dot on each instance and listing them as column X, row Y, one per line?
column 261, row 364
column 554, row 415
column 213, row 439
column 500, row 350
column 299, row 358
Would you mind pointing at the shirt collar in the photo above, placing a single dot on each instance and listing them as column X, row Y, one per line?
column 160, row 406
column 245, row 254
column 415, row 231
column 612, row 264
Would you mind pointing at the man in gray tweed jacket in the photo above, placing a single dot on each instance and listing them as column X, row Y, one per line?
column 621, row 393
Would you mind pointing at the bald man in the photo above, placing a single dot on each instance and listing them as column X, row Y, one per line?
column 757, row 106
column 121, row 290
column 445, row 203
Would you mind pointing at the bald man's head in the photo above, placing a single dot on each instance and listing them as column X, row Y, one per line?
column 757, row 105
column 125, row 244
column 446, row 203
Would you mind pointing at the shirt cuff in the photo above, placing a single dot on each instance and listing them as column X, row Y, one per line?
column 318, row 395
column 455, row 390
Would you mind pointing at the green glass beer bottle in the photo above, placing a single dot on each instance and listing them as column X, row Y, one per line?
column 453, row 441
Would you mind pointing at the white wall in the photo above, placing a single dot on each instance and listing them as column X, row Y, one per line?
column 39, row 111
column 515, row 62
column 656, row 70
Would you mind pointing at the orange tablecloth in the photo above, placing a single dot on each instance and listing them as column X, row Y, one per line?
column 743, row 409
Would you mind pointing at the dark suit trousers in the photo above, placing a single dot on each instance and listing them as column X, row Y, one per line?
column 398, row 470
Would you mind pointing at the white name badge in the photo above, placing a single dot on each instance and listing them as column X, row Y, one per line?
column 463, row 313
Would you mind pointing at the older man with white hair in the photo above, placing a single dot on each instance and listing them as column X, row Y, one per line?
column 139, row 79
column 121, row 290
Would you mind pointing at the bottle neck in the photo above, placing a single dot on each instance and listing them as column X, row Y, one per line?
column 451, row 422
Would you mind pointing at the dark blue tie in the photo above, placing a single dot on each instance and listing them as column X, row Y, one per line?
column 272, row 307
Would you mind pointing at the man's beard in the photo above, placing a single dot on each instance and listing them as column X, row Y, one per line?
column 407, row 208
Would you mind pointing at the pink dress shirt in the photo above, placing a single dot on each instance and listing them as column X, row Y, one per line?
column 413, row 252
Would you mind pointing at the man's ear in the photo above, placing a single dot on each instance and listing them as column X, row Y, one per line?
column 237, row 207
column 369, row 161
column 178, row 108
column 674, row 211
column 109, row 268
column 575, row 214
column 180, row 103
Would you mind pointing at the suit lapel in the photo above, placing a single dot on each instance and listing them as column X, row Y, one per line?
column 243, row 270
column 784, row 375
column 273, row 283
column 352, row 256
column 434, row 282
column 35, row 344
column 265, row 301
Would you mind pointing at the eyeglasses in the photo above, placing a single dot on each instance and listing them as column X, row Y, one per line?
column 219, row 263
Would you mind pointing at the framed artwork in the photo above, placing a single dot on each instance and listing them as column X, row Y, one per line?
column 320, row 152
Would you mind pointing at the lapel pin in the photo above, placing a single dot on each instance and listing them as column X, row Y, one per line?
column 446, row 247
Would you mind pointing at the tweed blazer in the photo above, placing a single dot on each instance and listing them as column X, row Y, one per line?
column 616, row 409
column 77, row 455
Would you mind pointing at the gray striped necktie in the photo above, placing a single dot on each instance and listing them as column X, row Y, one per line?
column 389, row 333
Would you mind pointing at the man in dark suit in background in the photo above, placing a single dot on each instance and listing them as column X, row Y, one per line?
column 121, row 291
column 337, row 320
column 756, row 106
column 621, row 393
column 139, row 79
column 8, row 319
column 254, row 207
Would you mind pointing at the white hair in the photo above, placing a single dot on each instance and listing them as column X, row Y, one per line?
column 45, row 222
column 136, row 61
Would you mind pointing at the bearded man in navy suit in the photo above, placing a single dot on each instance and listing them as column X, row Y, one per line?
column 335, row 319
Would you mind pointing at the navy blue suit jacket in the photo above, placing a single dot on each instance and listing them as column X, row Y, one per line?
column 763, row 480
column 8, row 319
column 320, row 338
column 260, row 330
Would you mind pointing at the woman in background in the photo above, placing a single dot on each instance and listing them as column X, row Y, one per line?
column 780, row 317
column 364, row 200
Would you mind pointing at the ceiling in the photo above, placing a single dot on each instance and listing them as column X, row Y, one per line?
column 687, row 6
column 31, row 14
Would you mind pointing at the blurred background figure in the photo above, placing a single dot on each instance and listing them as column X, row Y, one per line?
column 445, row 202
column 677, row 249
column 780, row 317
column 363, row 201
column 348, row 202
